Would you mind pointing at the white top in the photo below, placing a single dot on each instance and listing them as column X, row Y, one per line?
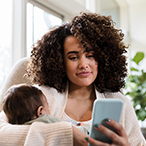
column 66, row 118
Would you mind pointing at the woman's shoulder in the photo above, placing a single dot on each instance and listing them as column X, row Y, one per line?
column 51, row 92
column 55, row 99
column 117, row 95
column 48, row 90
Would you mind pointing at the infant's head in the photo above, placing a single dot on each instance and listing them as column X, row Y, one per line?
column 24, row 103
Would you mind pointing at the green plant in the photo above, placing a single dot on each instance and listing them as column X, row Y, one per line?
column 136, row 86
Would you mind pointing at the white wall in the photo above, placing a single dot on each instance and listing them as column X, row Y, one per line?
column 137, row 28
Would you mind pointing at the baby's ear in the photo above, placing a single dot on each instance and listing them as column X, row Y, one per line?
column 39, row 111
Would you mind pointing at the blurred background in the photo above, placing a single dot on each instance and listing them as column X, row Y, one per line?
column 23, row 22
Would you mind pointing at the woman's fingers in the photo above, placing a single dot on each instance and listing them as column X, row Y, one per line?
column 120, row 130
column 78, row 137
column 95, row 142
column 109, row 133
column 119, row 138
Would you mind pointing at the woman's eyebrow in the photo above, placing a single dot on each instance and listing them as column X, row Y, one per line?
column 76, row 52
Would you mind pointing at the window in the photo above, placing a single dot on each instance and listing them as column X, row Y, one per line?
column 5, row 38
column 111, row 9
column 38, row 23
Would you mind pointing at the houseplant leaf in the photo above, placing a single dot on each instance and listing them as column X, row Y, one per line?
column 136, row 85
column 133, row 69
column 138, row 57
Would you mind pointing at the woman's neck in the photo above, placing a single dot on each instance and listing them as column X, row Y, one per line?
column 81, row 93
column 80, row 102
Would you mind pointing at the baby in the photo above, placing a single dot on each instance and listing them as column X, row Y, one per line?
column 25, row 104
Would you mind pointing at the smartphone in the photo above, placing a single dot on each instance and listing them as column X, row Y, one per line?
column 103, row 109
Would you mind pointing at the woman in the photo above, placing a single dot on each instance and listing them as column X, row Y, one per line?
column 79, row 62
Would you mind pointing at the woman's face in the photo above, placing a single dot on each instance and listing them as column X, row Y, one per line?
column 80, row 65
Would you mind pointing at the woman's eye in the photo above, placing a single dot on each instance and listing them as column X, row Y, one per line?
column 72, row 58
column 89, row 56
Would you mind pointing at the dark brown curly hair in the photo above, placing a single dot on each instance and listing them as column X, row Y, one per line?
column 46, row 65
column 21, row 103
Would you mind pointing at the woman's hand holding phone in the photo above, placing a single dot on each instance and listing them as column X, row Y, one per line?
column 105, row 127
column 104, row 131
column 118, row 139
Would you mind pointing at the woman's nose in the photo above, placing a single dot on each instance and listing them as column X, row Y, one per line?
column 83, row 63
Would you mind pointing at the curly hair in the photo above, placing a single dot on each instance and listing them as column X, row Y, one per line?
column 46, row 65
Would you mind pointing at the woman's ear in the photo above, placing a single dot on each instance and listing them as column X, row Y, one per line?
column 39, row 111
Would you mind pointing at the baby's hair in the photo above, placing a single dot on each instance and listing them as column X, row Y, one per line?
column 21, row 103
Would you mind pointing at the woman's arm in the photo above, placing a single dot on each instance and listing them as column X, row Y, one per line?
column 79, row 137
column 130, row 123
column 37, row 134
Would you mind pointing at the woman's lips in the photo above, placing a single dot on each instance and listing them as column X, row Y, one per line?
column 83, row 74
